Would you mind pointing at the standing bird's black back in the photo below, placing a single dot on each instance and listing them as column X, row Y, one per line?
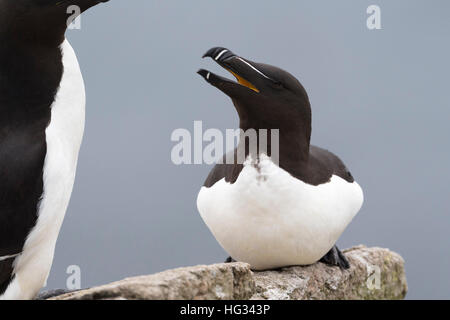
column 29, row 80
column 31, row 69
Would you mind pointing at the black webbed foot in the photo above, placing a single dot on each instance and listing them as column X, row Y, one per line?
column 335, row 257
column 230, row 260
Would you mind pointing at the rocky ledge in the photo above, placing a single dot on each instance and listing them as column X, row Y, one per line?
column 375, row 273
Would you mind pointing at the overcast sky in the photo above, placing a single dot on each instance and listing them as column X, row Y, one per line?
column 380, row 100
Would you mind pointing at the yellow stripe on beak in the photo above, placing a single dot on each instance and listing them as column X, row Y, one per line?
column 244, row 82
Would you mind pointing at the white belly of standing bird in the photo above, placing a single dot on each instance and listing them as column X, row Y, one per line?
column 63, row 136
column 270, row 219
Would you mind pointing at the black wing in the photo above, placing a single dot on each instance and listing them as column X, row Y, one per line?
column 321, row 166
column 228, row 171
column 22, row 155
column 6, row 274
column 28, row 83
column 327, row 164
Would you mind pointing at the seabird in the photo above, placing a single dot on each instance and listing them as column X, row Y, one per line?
column 42, row 110
column 269, row 213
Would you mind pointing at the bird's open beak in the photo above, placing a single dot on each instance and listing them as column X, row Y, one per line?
column 242, row 69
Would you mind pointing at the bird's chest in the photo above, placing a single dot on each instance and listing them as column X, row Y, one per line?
column 68, row 108
column 268, row 210
column 64, row 135
column 268, row 192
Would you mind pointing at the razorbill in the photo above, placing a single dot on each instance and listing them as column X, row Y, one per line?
column 42, row 101
column 268, row 213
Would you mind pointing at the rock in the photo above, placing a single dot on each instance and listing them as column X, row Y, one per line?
column 375, row 273
column 219, row 282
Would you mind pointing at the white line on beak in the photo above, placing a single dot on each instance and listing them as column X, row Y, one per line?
column 254, row 68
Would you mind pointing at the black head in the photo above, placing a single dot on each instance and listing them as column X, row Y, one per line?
column 266, row 97
column 42, row 21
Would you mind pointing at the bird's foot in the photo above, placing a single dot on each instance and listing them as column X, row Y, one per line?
column 230, row 260
column 335, row 257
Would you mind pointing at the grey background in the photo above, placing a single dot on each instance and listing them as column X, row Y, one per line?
column 380, row 101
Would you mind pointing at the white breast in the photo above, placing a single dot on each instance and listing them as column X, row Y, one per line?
column 269, row 219
column 63, row 135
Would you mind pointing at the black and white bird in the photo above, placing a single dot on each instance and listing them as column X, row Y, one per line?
column 269, row 213
column 42, row 110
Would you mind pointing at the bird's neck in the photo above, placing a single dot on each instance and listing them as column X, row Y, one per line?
column 289, row 145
